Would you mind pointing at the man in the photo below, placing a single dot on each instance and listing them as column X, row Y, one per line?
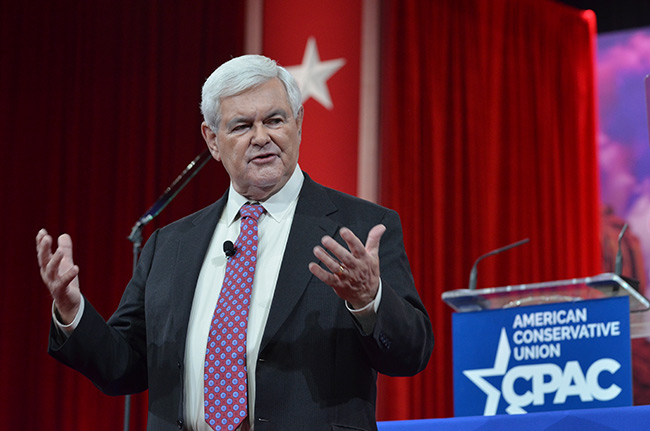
column 311, row 351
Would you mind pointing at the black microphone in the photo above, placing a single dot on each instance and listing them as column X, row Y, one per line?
column 472, row 274
column 229, row 249
column 618, row 270
column 181, row 181
column 619, row 254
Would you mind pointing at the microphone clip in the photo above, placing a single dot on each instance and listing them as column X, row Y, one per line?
column 229, row 249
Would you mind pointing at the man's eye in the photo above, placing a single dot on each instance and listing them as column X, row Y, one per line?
column 240, row 127
column 274, row 121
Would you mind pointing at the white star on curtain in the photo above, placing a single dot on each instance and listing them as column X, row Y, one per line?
column 312, row 74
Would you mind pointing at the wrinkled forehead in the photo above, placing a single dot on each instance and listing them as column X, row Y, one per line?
column 260, row 100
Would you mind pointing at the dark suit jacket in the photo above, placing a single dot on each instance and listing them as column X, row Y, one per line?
column 316, row 369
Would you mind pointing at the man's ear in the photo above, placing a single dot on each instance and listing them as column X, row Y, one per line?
column 210, row 138
column 299, row 118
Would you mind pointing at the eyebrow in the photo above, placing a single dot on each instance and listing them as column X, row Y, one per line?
column 237, row 120
column 279, row 111
column 243, row 118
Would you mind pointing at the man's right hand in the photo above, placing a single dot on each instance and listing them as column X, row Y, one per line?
column 59, row 273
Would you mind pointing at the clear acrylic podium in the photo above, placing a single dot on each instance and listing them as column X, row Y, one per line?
column 577, row 289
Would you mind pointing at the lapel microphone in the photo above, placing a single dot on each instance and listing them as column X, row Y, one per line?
column 229, row 249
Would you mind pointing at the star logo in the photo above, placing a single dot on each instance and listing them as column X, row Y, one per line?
column 499, row 369
column 312, row 74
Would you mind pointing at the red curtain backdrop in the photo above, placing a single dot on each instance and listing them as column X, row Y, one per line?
column 328, row 152
column 488, row 137
column 99, row 112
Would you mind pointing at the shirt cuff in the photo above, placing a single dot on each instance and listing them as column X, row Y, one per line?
column 67, row 329
column 367, row 316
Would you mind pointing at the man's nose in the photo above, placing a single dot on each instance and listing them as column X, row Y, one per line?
column 260, row 135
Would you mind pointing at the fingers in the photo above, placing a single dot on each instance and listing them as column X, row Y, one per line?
column 66, row 278
column 65, row 244
column 40, row 235
column 352, row 272
column 330, row 263
column 355, row 245
column 51, row 270
column 48, row 260
column 356, row 248
column 59, row 273
column 57, row 269
column 324, row 276
column 43, row 247
column 374, row 237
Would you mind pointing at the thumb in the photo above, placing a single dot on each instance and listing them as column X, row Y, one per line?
column 374, row 236
column 65, row 244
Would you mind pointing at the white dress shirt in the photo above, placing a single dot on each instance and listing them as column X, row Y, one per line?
column 273, row 232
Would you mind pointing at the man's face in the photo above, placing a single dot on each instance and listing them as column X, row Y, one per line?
column 257, row 140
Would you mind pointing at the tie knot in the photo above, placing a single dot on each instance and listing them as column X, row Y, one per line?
column 252, row 211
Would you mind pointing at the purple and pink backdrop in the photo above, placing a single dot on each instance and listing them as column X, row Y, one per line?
column 624, row 161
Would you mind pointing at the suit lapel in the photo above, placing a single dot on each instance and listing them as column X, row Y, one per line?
column 192, row 246
column 310, row 224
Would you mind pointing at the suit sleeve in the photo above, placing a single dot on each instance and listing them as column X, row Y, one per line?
column 111, row 354
column 402, row 339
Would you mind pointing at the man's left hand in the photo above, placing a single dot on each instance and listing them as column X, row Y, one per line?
column 353, row 273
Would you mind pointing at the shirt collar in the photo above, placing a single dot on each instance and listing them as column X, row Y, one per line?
column 276, row 206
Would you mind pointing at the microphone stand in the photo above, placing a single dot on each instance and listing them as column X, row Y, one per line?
column 135, row 236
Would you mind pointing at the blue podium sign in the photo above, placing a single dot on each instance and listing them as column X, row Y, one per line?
column 541, row 358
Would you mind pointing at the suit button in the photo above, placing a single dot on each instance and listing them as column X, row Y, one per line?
column 384, row 341
column 262, row 420
column 178, row 364
column 179, row 424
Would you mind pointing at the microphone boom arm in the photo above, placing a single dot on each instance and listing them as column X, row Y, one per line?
column 472, row 274
column 169, row 194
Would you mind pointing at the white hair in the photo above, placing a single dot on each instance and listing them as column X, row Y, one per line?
column 238, row 75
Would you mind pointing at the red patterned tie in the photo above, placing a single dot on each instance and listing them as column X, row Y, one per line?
column 225, row 397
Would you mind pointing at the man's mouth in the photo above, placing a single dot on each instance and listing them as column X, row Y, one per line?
column 264, row 158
